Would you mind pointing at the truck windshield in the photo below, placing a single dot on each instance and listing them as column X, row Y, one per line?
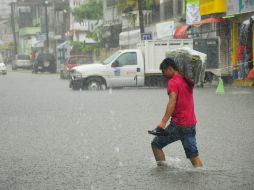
column 111, row 58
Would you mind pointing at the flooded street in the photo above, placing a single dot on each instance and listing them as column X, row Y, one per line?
column 52, row 137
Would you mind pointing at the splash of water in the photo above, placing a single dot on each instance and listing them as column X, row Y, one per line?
column 110, row 91
column 117, row 149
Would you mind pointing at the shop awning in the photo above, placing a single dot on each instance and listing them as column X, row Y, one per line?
column 208, row 21
column 181, row 32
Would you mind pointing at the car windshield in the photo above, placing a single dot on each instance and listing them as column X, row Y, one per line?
column 111, row 58
column 23, row 57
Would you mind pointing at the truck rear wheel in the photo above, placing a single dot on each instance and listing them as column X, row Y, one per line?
column 156, row 81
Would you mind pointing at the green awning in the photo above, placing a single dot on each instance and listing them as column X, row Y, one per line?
column 29, row 31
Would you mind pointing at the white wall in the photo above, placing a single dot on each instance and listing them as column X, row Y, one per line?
column 5, row 9
column 110, row 15
column 5, row 31
column 86, row 25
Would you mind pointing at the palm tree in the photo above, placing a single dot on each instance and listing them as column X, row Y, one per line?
column 125, row 6
column 141, row 16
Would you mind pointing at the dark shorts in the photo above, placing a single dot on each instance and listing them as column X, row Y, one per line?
column 186, row 135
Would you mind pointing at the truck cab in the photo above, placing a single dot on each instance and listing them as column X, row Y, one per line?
column 124, row 68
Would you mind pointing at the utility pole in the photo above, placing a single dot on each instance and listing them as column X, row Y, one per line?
column 46, row 25
column 141, row 16
column 64, row 23
column 13, row 27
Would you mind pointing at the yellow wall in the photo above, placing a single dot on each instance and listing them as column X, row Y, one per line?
column 212, row 6
column 253, row 44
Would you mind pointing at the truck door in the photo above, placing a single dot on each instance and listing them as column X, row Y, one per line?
column 125, row 69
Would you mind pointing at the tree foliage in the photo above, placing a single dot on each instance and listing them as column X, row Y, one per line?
column 126, row 6
column 79, row 47
column 93, row 10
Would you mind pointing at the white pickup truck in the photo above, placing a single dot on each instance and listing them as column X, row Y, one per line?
column 127, row 68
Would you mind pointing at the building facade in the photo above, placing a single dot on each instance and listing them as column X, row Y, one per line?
column 35, row 32
column 213, row 37
column 160, row 21
column 112, row 23
column 6, row 40
column 5, row 9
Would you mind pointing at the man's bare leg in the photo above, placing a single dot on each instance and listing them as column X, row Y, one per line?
column 196, row 162
column 158, row 155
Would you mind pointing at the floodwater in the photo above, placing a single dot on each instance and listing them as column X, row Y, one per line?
column 54, row 138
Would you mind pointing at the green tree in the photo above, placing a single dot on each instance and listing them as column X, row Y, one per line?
column 93, row 10
column 79, row 47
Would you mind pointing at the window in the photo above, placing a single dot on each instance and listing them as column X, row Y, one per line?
column 127, row 59
column 180, row 8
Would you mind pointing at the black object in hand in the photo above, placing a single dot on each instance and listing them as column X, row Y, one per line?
column 159, row 132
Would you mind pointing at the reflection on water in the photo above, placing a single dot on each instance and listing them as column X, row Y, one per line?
column 60, row 139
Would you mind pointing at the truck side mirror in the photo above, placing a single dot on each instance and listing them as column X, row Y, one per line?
column 115, row 64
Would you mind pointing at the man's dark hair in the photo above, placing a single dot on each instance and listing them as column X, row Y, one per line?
column 168, row 62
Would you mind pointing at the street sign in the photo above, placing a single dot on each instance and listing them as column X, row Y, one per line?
column 146, row 36
column 41, row 37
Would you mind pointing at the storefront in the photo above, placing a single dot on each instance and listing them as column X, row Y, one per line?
column 241, row 15
column 211, row 37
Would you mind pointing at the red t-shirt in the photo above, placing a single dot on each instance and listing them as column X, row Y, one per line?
column 184, row 114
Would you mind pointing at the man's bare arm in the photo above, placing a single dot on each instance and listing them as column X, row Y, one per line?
column 169, row 110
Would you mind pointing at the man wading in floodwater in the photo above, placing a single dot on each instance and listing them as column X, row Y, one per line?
column 180, row 109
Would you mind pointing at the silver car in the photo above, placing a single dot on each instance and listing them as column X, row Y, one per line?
column 22, row 61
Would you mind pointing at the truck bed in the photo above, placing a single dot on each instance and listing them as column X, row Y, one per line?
column 154, row 52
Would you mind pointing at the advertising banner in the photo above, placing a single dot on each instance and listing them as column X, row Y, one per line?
column 192, row 11
column 246, row 6
column 212, row 6
column 165, row 29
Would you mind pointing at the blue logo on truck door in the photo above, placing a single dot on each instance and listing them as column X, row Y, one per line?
column 117, row 72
